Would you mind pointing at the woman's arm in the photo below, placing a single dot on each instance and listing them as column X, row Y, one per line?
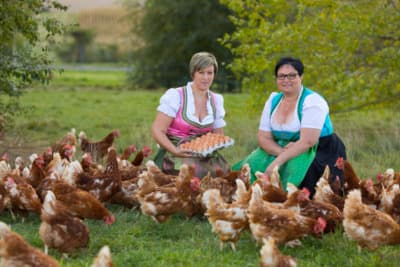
column 266, row 142
column 308, row 138
column 218, row 130
column 159, row 132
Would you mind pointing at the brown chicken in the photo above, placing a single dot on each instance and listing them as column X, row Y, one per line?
column 81, row 203
column 350, row 178
column 370, row 192
column 5, row 167
column 225, row 184
column 90, row 167
column 158, row 176
column 284, row 225
column 141, row 155
column 59, row 228
column 300, row 200
column 324, row 192
column 37, row 171
column 98, row 149
column 390, row 201
column 23, row 197
column 16, row 252
column 228, row 220
column 69, row 139
column 127, row 194
column 103, row 258
column 160, row 202
column 104, row 185
column 271, row 187
column 127, row 152
column 367, row 226
column 272, row 257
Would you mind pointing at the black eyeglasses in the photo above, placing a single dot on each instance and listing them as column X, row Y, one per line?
column 290, row 76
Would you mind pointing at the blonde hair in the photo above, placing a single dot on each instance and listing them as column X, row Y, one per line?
column 202, row 60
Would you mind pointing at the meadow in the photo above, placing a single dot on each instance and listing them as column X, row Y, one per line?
column 103, row 103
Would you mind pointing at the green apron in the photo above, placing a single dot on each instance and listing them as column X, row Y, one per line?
column 294, row 170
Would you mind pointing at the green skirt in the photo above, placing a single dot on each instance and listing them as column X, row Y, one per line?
column 293, row 171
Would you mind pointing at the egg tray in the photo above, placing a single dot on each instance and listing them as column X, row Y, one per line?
column 205, row 145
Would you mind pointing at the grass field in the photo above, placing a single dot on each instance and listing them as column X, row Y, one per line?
column 372, row 139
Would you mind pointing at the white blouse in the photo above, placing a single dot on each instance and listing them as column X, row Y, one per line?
column 314, row 112
column 170, row 103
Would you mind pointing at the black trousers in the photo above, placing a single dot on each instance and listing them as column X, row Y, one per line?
column 329, row 149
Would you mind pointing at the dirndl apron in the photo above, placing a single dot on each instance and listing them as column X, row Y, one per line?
column 182, row 130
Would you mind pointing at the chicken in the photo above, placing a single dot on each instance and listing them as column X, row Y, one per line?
column 5, row 167
column 370, row 192
column 16, row 252
column 69, row 139
column 313, row 208
column 97, row 149
column 141, row 155
column 127, row 153
column 228, row 221
column 88, row 166
column 160, row 202
column 127, row 194
column 390, row 201
column 59, row 228
column 284, row 225
column 20, row 166
column 23, row 197
column 324, row 192
column 350, row 178
column 226, row 184
column 37, row 171
column 104, row 185
column 123, row 159
column 388, row 177
column 81, row 203
column 103, row 258
column 367, row 226
column 158, row 176
column 271, row 187
column 272, row 257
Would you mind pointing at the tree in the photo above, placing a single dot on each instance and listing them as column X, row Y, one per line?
column 82, row 39
column 172, row 31
column 350, row 48
column 23, row 48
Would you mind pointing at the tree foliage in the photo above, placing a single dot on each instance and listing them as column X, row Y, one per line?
column 172, row 31
column 350, row 49
column 23, row 47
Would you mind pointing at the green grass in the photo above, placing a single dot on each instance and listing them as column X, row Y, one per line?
column 78, row 78
column 372, row 139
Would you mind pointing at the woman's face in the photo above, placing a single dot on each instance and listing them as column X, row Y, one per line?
column 288, row 79
column 202, row 79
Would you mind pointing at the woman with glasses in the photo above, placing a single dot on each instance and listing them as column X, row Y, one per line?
column 295, row 132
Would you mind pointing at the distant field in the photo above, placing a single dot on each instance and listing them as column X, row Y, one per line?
column 76, row 78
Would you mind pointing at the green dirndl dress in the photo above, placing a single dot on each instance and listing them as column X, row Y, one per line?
column 293, row 171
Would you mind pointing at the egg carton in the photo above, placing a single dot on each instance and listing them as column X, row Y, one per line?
column 203, row 151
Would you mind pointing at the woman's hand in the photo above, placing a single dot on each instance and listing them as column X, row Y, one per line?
column 270, row 168
column 182, row 153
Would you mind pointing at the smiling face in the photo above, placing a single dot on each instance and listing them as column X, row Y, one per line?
column 288, row 79
column 202, row 79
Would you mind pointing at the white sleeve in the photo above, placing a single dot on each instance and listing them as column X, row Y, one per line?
column 220, row 112
column 170, row 102
column 265, row 120
column 315, row 109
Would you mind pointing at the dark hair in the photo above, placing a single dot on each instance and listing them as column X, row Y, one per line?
column 294, row 62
